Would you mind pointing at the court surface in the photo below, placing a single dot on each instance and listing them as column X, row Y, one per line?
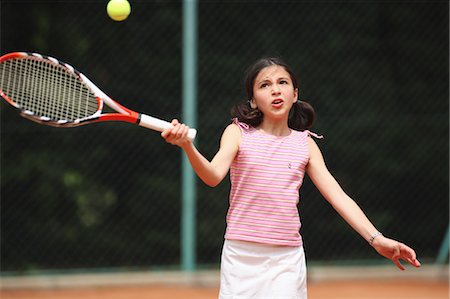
column 428, row 282
column 361, row 289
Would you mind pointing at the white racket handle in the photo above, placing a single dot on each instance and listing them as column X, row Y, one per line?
column 161, row 125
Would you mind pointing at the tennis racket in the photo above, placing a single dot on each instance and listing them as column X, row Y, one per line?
column 51, row 92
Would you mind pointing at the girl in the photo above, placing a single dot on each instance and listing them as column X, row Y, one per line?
column 267, row 150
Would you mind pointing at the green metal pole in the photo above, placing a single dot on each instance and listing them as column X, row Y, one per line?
column 188, row 223
column 443, row 254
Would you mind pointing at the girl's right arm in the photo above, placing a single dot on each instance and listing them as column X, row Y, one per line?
column 211, row 173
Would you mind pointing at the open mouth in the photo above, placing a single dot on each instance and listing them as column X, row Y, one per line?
column 277, row 103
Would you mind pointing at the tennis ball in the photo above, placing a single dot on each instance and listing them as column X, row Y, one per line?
column 118, row 10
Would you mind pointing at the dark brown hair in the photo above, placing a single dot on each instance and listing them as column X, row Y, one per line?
column 302, row 114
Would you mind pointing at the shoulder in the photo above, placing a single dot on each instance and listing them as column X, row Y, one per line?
column 231, row 135
column 314, row 151
column 312, row 145
column 232, row 129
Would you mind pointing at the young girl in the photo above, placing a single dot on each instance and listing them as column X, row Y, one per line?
column 268, row 149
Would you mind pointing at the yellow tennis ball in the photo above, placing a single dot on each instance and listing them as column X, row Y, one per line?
column 118, row 10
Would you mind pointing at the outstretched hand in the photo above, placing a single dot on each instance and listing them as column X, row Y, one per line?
column 395, row 251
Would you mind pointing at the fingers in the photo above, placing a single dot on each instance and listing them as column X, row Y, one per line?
column 399, row 265
column 177, row 134
column 414, row 262
column 409, row 255
column 403, row 252
column 179, row 131
column 396, row 257
column 167, row 132
column 396, row 252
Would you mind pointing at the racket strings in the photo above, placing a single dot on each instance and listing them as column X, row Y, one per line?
column 46, row 90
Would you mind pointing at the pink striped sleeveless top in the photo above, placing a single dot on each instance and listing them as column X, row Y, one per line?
column 266, row 176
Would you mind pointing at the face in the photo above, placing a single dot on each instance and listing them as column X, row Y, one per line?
column 273, row 92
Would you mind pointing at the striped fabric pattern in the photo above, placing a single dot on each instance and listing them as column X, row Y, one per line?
column 266, row 176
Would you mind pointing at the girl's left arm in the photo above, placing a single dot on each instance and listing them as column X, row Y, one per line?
column 352, row 213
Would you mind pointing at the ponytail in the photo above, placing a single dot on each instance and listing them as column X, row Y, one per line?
column 301, row 116
column 246, row 114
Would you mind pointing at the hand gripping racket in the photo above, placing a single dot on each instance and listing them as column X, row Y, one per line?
column 53, row 93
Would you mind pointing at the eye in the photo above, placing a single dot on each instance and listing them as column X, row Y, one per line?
column 264, row 85
column 284, row 82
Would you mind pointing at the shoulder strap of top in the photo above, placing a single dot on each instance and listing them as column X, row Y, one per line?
column 241, row 125
column 313, row 134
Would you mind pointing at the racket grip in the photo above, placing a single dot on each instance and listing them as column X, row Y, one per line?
column 160, row 125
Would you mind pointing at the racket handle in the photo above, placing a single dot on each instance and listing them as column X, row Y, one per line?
column 159, row 125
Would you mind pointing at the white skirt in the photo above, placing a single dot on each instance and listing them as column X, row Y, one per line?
column 258, row 271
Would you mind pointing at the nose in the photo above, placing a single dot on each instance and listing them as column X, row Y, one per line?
column 275, row 89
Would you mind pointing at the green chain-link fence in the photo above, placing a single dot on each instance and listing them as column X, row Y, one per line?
column 108, row 195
